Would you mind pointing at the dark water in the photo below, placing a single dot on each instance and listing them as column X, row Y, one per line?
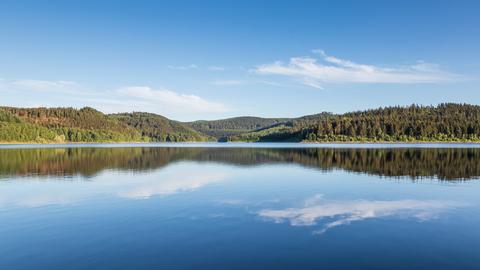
column 240, row 208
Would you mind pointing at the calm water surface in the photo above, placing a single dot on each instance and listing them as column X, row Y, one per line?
column 278, row 206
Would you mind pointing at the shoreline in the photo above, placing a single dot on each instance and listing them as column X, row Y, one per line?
column 240, row 142
column 443, row 144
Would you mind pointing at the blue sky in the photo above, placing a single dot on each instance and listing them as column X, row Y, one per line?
column 192, row 60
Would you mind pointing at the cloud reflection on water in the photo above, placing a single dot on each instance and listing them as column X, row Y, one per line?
column 187, row 181
column 346, row 212
column 168, row 181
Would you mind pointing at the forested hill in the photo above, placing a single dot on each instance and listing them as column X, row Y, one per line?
column 159, row 128
column 85, row 118
column 445, row 122
column 233, row 126
column 62, row 125
column 45, row 125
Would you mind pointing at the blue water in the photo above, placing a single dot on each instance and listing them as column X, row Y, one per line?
column 229, row 208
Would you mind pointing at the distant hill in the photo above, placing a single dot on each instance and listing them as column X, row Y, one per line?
column 159, row 128
column 445, row 122
column 233, row 126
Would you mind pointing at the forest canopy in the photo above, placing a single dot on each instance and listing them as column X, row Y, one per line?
column 445, row 122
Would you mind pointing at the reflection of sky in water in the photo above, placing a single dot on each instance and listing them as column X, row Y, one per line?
column 179, row 178
column 346, row 212
column 273, row 192
column 245, row 217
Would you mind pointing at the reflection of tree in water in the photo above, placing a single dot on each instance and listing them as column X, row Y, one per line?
column 444, row 163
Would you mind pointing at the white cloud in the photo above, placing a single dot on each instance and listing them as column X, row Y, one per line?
column 232, row 202
column 171, row 100
column 312, row 72
column 194, row 66
column 216, row 68
column 131, row 98
column 40, row 86
column 228, row 82
column 250, row 82
column 191, row 66
column 345, row 212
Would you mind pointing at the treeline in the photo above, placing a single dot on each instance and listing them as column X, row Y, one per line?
column 445, row 123
column 25, row 132
column 415, row 163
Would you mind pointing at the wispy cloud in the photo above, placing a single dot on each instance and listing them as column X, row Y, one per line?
column 171, row 99
column 130, row 98
column 232, row 202
column 194, row 66
column 346, row 212
column 228, row 82
column 40, row 86
column 223, row 82
column 191, row 66
column 216, row 68
column 329, row 69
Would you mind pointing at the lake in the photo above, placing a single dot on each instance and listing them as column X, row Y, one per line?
column 240, row 206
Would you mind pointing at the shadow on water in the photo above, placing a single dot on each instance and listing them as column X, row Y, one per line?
column 442, row 163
